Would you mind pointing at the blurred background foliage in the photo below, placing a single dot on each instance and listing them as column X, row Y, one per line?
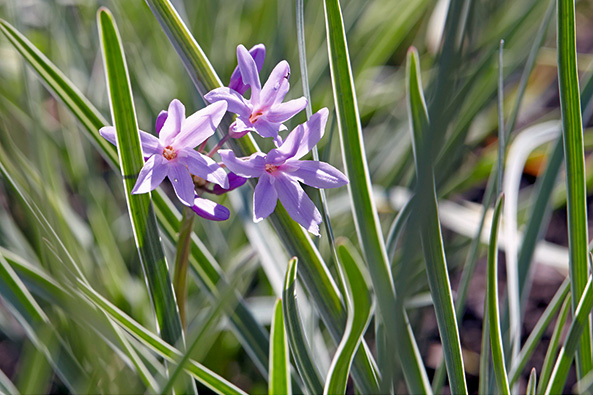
column 82, row 197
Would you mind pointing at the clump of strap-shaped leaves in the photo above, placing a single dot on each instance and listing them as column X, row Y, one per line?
column 361, row 287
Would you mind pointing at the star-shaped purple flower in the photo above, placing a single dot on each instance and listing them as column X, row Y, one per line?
column 264, row 112
column 280, row 172
column 172, row 155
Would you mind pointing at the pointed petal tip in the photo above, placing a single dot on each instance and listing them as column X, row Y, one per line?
column 160, row 121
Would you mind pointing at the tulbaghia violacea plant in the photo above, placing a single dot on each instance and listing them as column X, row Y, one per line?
column 281, row 170
column 172, row 155
column 264, row 112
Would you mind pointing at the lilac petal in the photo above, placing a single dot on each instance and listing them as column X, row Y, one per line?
column 235, row 182
column 200, row 125
column 276, row 84
column 252, row 166
column 265, row 197
column 249, row 72
column 265, row 128
column 258, row 53
column 160, row 121
column 203, row 166
column 312, row 132
column 151, row 175
column 239, row 129
column 182, row 183
column 288, row 148
column 172, row 125
column 210, row 210
column 108, row 133
column 236, row 103
column 298, row 205
column 314, row 173
column 150, row 144
column 284, row 111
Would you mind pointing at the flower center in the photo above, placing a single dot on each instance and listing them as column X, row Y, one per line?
column 169, row 153
column 271, row 168
column 255, row 116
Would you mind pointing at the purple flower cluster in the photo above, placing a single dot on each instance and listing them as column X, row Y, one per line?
column 280, row 171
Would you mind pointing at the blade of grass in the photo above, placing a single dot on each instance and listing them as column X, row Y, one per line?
column 279, row 378
column 199, row 372
column 573, row 340
column 493, row 305
column 537, row 333
column 208, row 272
column 42, row 285
column 227, row 297
column 34, row 321
column 532, row 383
column 6, row 385
column 432, row 244
column 484, row 382
column 359, row 306
column 359, row 187
column 572, row 132
column 299, row 345
column 140, row 207
column 296, row 240
column 396, row 228
column 548, row 364
column 300, row 23
column 57, row 81
column 34, row 373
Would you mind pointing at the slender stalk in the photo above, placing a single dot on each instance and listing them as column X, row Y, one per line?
column 182, row 261
column 219, row 145
column 570, row 107
column 493, row 305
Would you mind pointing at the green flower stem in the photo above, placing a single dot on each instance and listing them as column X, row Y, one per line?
column 182, row 261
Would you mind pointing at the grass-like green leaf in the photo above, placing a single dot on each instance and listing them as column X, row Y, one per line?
column 532, row 383
column 300, row 24
column 6, row 385
column 165, row 350
column 206, row 269
column 279, row 376
column 432, row 243
column 359, row 187
column 84, row 295
column 142, row 216
column 553, row 347
column 46, row 288
column 396, row 228
column 537, row 333
column 226, row 299
column 573, row 341
column 359, row 305
column 493, row 304
column 296, row 240
column 35, row 322
column 572, row 132
column 299, row 345
column 80, row 106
